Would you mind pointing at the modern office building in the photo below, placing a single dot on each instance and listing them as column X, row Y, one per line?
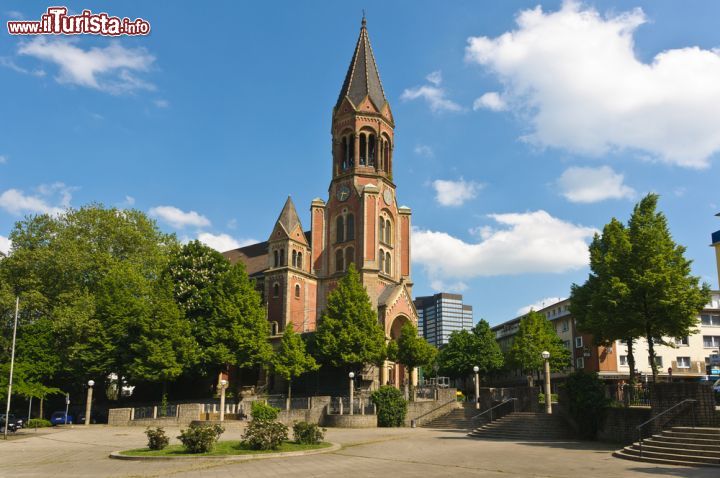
column 440, row 315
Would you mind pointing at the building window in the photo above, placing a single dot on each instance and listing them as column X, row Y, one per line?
column 683, row 362
column 371, row 150
column 382, row 229
column 349, row 256
column 658, row 361
column 276, row 262
column 276, row 290
column 350, row 227
column 578, row 342
column 339, row 261
column 273, row 328
column 580, row 363
column 682, row 341
column 388, row 232
column 297, row 291
column 340, row 229
column 382, row 260
column 711, row 341
column 282, row 257
column 710, row 319
column 363, row 149
column 294, row 259
column 623, row 360
column 388, row 263
column 566, row 344
column 345, row 153
column 565, row 326
column 299, row 260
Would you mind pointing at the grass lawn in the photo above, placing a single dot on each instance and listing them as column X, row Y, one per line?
column 223, row 448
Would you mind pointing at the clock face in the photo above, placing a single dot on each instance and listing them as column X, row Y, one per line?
column 343, row 193
column 387, row 196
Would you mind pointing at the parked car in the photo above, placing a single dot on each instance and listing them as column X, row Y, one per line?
column 96, row 416
column 19, row 423
column 58, row 418
column 12, row 426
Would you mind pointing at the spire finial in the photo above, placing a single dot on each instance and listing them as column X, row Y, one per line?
column 364, row 21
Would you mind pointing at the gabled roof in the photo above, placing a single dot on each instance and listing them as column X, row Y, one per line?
column 289, row 218
column 362, row 78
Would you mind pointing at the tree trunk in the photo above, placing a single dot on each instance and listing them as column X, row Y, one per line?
column 42, row 412
column 411, row 386
column 289, row 389
column 631, row 361
column 651, row 356
column 530, row 379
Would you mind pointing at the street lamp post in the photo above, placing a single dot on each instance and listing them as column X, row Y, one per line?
column 476, row 369
column 223, row 385
column 548, row 395
column 88, row 404
column 352, row 390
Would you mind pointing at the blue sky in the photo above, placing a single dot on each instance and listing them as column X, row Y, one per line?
column 520, row 129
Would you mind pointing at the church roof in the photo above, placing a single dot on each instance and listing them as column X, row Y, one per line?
column 362, row 78
column 289, row 218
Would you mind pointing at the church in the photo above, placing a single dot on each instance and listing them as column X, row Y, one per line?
column 360, row 222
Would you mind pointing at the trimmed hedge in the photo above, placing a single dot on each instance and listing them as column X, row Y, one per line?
column 391, row 406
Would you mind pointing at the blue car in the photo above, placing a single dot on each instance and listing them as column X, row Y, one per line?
column 58, row 418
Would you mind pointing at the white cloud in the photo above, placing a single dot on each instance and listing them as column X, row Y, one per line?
column 525, row 243
column 575, row 75
column 490, row 101
column 129, row 201
column 540, row 304
column 178, row 218
column 435, row 77
column 52, row 199
column 424, row 150
column 9, row 63
column 223, row 242
column 588, row 185
column 3, row 159
column 111, row 69
column 5, row 245
column 452, row 287
column 455, row 193
column 162, row 103
column 433, row 94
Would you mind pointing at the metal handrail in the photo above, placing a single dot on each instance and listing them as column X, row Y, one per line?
column 683, row 402
column 435, row 409
column 493, row 408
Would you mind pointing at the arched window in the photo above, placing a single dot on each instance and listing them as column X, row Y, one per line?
column 371, row 150
column 339, row 261
column 294, row 259
column 349, row 256
column 388, row 232
column 340, row 229
column 299, row 260
column 386, row 156
column 273, row 328
column 351, row 151
column 276, row 290
column 382, row 229
column 363, row 149
column 345, row 153
column 382, row 260
column 275, row 259
column 282, row 257
column 388, row 263
column 297, row 291
column 350, row 227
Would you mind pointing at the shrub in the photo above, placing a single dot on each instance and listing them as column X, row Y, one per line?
column 265, row 435
column 263, row 411
column 200, row 439
column 38, row 423
column 391, row 406
column 157, row 439
column 308, row 433
column 541, row 398
column 586, row 401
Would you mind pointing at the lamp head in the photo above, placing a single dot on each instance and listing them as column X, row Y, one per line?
column 351, row 375
column 223, row 382
column 91, row 383
column 476, row 369
column 546, row 355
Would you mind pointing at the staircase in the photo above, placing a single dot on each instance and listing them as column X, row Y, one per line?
column 684, row 446
column 458, row 419
column 524, row 426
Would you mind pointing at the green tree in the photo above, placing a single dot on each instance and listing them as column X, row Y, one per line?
column 535, row 335
column 413, row 351
column 349, row 334
column 292, row 359
column 465, row 349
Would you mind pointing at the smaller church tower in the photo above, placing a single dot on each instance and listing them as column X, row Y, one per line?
column 290, row 287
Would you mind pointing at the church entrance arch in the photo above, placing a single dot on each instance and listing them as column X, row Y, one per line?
column 396, row 375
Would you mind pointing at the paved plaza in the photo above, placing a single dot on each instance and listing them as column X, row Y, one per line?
column 83, row 452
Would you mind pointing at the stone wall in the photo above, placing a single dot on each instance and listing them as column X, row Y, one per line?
column 665, row 395
column 119, row 417
column 187, row 412
column 527, row 397
column 620, row 425
column 350, row 421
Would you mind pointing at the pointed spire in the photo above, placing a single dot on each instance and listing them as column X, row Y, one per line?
column 289, row 218
column 362, row 78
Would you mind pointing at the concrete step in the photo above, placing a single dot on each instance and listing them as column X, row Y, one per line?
column 689, row 441
column 689, row 434
column 660, row 461
column 681, row 456
column 678, row 450
column 713, row 431
column 709, row 445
